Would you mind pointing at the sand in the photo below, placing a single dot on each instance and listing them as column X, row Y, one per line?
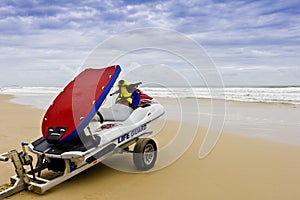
column 239, row 167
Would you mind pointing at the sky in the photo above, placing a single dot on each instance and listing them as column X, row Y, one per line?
column 251, row 42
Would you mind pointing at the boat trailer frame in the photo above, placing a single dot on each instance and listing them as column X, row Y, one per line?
column 27, row 180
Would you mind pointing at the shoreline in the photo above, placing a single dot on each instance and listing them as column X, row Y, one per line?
column 243, row 94
column 232, row 116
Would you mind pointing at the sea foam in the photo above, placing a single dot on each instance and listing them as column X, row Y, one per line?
column 41, row 97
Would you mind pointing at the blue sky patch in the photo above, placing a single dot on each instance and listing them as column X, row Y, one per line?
column 260, row 37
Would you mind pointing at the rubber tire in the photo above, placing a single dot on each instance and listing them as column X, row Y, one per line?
column 138, row 154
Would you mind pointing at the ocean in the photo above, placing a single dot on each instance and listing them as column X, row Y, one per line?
column 41, row 97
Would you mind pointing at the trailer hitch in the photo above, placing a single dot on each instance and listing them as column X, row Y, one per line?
column 21, row 180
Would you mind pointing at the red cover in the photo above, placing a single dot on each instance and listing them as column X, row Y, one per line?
column 76, row 105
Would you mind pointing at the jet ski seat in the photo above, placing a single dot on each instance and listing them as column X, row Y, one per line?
column 117, row 112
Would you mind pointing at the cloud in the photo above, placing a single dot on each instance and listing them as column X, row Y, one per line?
column 46, row 34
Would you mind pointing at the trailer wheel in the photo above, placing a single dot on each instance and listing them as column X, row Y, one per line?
column 145, row 154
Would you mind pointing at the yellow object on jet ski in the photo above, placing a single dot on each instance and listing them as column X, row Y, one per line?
column 125, row 91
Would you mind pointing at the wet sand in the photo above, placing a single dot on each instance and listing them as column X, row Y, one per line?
column 239, row 167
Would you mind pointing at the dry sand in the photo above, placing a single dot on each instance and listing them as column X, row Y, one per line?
column 239, row 167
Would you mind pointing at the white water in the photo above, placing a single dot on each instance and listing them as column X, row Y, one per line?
column 249, row 94
column 42, row 97
column 39, row 97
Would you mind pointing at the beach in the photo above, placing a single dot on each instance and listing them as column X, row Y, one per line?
column 240, row 166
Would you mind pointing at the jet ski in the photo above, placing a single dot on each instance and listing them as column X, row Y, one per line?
column 78, row 131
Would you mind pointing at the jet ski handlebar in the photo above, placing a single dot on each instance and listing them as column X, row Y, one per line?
column 134, row 85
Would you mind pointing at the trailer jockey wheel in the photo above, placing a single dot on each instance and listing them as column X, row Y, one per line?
column 145, row 154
